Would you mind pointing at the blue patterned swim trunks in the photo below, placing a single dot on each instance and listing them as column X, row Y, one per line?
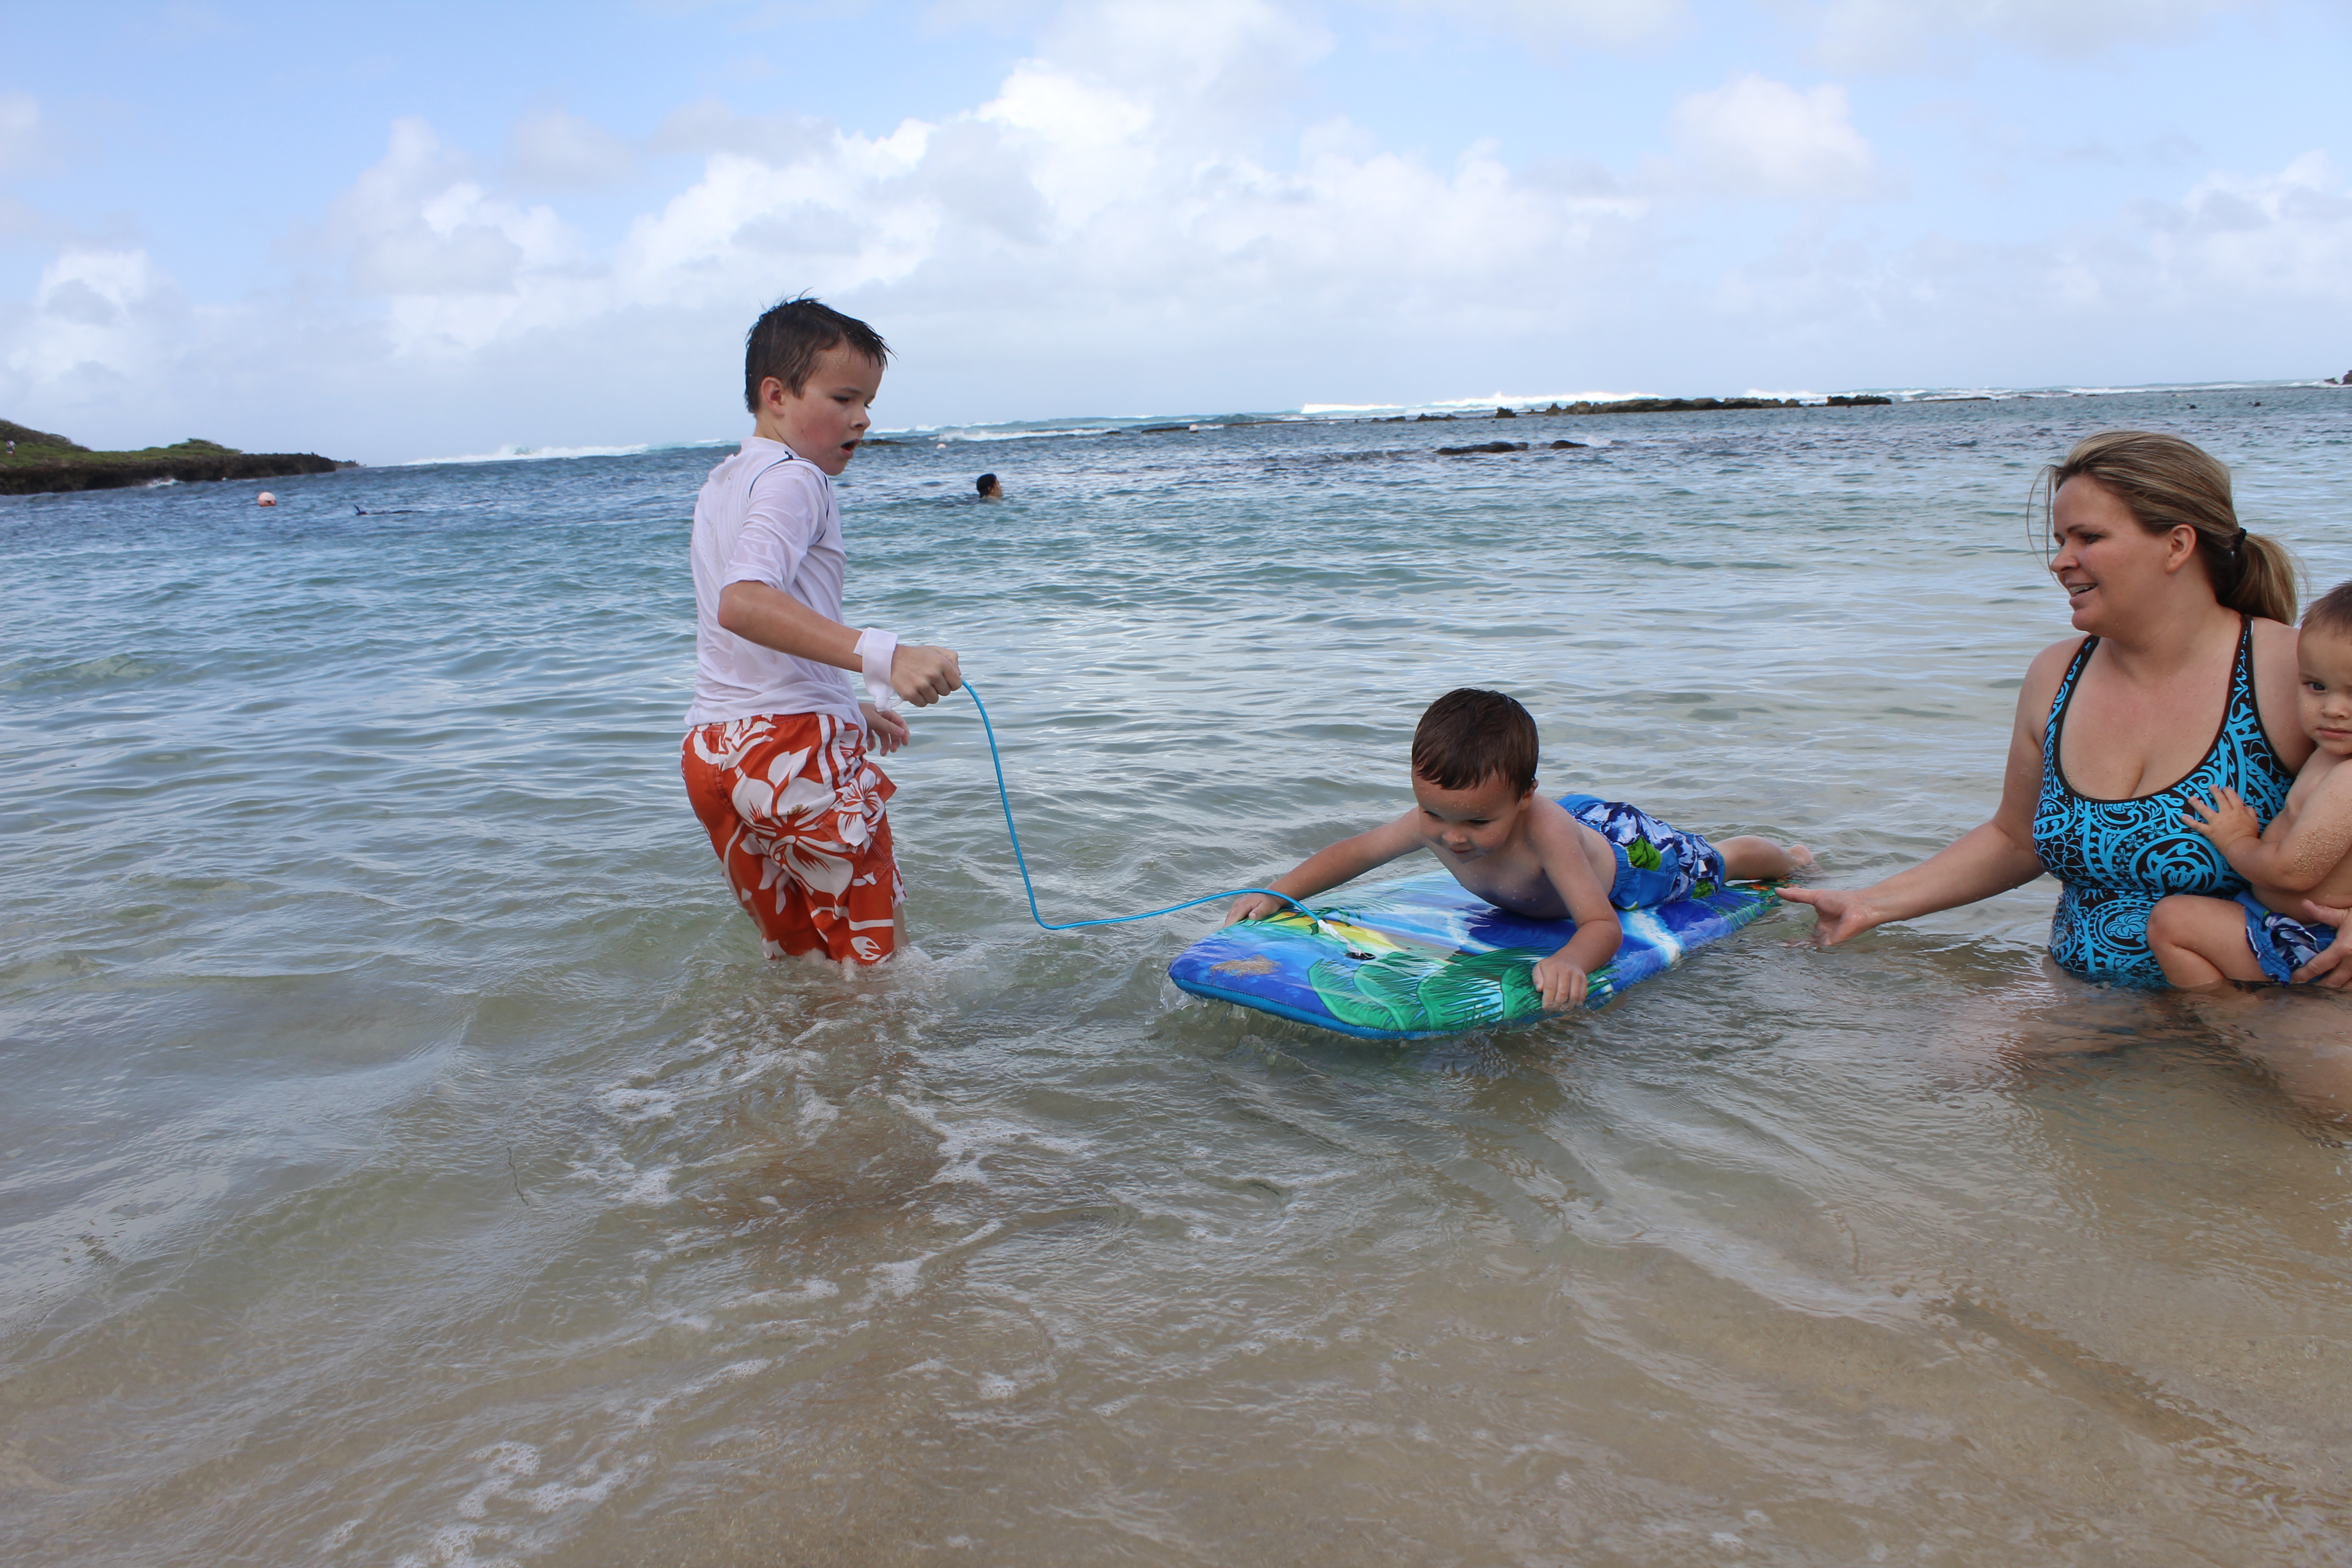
column 1656, row 863
column 2282, row 943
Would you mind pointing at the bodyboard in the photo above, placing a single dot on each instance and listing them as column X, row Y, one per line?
column 1429, row 958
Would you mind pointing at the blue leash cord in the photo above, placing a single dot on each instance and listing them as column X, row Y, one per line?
column 1005, row 799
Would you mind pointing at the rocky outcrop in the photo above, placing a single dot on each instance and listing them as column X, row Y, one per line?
column 1674, row 405
column 1482, row 446
column 1677, row 405
column 41, row 462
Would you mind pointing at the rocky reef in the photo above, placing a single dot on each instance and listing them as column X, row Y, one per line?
column 1504, row 446
column 35, row 461
column 1649, row 406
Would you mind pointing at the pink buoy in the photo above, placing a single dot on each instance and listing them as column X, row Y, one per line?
column 265, row 499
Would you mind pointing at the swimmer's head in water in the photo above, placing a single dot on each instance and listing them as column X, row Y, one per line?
column 988, row 488
column 784, row 344
column 1470, row 736
column 2166, row 483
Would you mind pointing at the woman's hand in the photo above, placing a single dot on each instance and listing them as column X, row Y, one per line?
column 889, row 732
column 1839, row 913
column 2331, row 968
column 2224, row 819
column 1561, row 981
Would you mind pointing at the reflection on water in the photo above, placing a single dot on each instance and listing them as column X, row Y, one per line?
column 409, row 1159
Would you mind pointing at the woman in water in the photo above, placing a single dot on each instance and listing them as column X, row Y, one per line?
column 2185, row 683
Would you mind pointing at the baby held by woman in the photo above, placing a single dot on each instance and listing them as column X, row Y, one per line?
column 2301, row 864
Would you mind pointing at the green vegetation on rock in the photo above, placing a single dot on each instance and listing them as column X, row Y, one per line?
column 42, row 461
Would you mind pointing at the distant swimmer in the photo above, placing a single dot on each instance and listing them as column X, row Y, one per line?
column 988, row 488
column 265, row 499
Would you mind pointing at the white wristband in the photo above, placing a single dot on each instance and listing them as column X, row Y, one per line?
column 875, row 651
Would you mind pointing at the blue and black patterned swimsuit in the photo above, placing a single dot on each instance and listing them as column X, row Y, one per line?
column 2117, row 858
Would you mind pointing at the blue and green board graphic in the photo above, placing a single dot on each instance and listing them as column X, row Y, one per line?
column 1436, row 960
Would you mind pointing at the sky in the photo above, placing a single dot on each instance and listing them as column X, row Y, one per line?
column 424, row 230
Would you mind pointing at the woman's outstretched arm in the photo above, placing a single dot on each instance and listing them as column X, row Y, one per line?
column 1991, row 858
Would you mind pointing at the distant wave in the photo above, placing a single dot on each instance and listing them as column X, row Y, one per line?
column 543, row 454
column 1344, row 413
column 1899, row 394
column 1002, row 432
column 2005, row 393
column 1455, row 404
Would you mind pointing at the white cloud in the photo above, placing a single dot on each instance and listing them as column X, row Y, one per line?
column 1899, row 35
column 711, row 126
column 1091, row 181
column 2149, row 292
column 1562, row 24
column 1131, row 220
column 24, row 141
column 20, row 222
column 97, row 318
column 2282, row 237
column 1755, row 137
column 1224, row 57
column 553, row 150
column 455, row 263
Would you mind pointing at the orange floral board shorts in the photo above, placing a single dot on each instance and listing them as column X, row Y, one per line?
column 795, row 810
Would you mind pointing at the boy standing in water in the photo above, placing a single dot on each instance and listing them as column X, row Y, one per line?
column 2303, row 858
column 776, row 748
column 1579, row 857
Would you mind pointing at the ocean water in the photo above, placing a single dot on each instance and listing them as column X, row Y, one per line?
column 408, row 1158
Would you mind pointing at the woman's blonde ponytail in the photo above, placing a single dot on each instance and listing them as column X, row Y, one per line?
column 2169, row 483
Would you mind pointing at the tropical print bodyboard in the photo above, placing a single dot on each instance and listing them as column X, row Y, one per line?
column 1406, row 960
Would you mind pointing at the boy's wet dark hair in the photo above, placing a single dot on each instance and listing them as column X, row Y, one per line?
column 2331, row 612
column 1470, row 736
column 785, row 343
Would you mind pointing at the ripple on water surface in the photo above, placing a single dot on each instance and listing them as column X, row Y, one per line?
column 408, row 1158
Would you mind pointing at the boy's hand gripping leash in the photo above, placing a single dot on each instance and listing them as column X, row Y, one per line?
column 1005, row 799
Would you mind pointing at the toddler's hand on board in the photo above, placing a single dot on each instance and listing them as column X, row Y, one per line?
column 2224, row 819
column 1560, row 983
column 1253, row 907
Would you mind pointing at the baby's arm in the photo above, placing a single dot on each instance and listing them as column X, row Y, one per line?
column 1561, row 978
column 2297, row 859
column 1342, row 862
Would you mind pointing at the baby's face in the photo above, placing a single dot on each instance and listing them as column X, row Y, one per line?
column 1464, row 825
column 2324, row 699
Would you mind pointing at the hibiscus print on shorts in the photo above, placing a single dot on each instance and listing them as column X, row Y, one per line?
column 795, row 811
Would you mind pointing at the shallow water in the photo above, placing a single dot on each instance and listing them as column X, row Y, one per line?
column 411, row 1161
